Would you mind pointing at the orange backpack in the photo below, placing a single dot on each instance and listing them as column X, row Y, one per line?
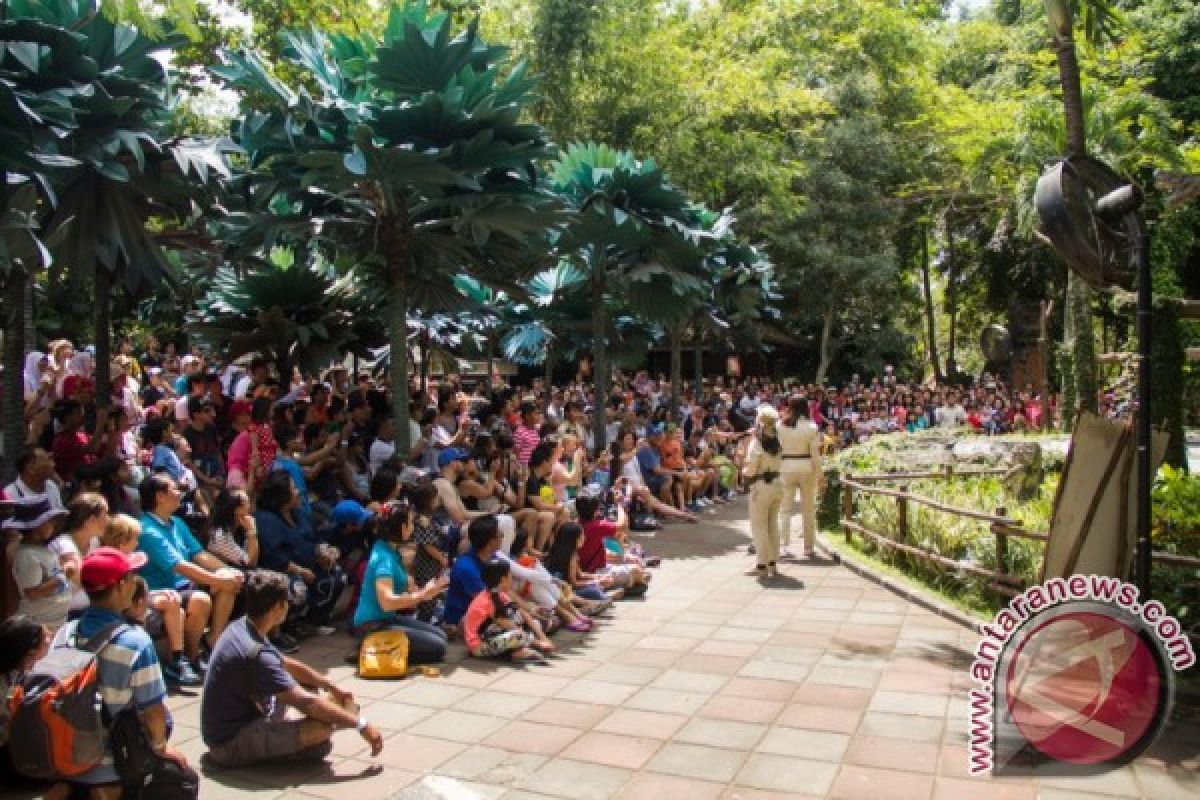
column 58, row 727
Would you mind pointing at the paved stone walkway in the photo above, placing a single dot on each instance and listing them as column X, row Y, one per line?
column 821, row 685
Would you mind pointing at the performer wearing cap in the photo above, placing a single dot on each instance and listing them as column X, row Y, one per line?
column 762, row 468
column 801, row 443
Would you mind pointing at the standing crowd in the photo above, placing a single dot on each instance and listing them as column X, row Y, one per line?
column 189, row 524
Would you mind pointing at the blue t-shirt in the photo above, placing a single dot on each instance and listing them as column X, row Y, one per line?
column 165, row 544
column 648, row 461
column 293, row 468
column 466, row 581
column 164, row 458
column 281, row 544
column 384, row 562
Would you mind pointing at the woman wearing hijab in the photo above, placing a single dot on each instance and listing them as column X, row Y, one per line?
column 761, row 469
column 801, row 441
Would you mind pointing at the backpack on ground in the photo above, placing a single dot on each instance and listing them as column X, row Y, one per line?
column 58, row 727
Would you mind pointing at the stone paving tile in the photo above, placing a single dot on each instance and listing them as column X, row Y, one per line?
column 697, row 761
column 741, row 709
column 866, row 783
column 419, row 754
column 787, row 774
column 648, row 785
column 697, row 682
column 458, row 726
column 978, row 789
column 600, row 692
column 759, row 688
column 576, row 780
column 633, row 722
column 888, row 753
column 492, row 765
column 613, row 749
column 565, row 712
column 498, row 704
column 801, row 743
column 530, row 737
column 721, row 733
column 667, row 700
column 899, row 726
column 820, row 718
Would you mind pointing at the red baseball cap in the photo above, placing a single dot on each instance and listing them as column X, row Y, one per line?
column 104, row 567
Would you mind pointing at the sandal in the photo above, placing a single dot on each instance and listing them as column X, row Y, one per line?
column 527, row 655
column 653, row 561
column 579, row 626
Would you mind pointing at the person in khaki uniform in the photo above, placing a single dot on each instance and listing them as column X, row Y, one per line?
column 801, row 470
column 761, row 470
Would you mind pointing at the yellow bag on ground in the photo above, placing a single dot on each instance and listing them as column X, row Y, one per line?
column 384, row 654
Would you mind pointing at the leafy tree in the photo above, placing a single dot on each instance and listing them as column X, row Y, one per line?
column 628, row 229
column 301, row 313
column 409, row 151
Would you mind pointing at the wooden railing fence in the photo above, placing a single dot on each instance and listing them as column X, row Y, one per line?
column 1002, row 526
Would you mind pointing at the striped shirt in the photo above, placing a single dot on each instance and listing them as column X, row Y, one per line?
column 128, row 673
column 525, row 441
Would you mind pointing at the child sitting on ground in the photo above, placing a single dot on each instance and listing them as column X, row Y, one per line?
column 165, row 610
column 494, row 625
column 429, row 560
column 623, row 567
column 45, row 590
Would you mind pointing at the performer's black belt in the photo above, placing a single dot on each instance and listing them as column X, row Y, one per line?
column 801, row 455
column 766, row 477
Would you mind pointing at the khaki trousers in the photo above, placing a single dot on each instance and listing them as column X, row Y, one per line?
column 806, row 482
column 764, row 520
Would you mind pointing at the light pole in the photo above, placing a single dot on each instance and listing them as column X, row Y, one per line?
column 1111, row 207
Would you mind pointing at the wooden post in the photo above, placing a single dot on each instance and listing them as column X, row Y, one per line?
column 902, row 516
column 847, row 506
column 1001, row 544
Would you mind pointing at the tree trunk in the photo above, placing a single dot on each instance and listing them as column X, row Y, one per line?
column 826, row 346
column 424, row 355
column 1062, row 28
column 951, row 302
column 1043, row 352
column 1083, row 342
column 15, row 313
column 600, row 345
column 676, row 333
column 398, row 338
column 30, row 314
column 699, row 370
column 102, row 283
column 930, row 312
column 551, row 357
column 491, row 362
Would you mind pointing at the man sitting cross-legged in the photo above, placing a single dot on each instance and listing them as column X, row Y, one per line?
column 250, row 686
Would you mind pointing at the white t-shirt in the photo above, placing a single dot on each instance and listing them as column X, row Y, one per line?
column 379, row 454
column 18, row 489
column 950, row 416
column 34, row 565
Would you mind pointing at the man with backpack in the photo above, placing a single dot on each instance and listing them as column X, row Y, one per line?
column 126, row 672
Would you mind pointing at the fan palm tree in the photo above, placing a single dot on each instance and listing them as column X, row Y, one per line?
column 302, row 314
column 45, row 65
column 123, row 168
column 412, row 153
column 630, row 227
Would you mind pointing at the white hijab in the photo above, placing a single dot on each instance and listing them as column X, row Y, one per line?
column 33, row 372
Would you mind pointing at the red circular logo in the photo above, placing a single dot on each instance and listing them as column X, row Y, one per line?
column 1083, row 687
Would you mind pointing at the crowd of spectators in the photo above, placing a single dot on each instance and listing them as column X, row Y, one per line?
column 228, row 512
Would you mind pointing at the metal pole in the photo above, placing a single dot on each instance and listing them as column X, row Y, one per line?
column 1144, row 477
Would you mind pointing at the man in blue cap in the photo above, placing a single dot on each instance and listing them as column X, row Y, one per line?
column 349, row 532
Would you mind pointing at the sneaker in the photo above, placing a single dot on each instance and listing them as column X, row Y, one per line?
column 324, row 630
column 285, row 643
column 181, row 673
column 303, row 630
